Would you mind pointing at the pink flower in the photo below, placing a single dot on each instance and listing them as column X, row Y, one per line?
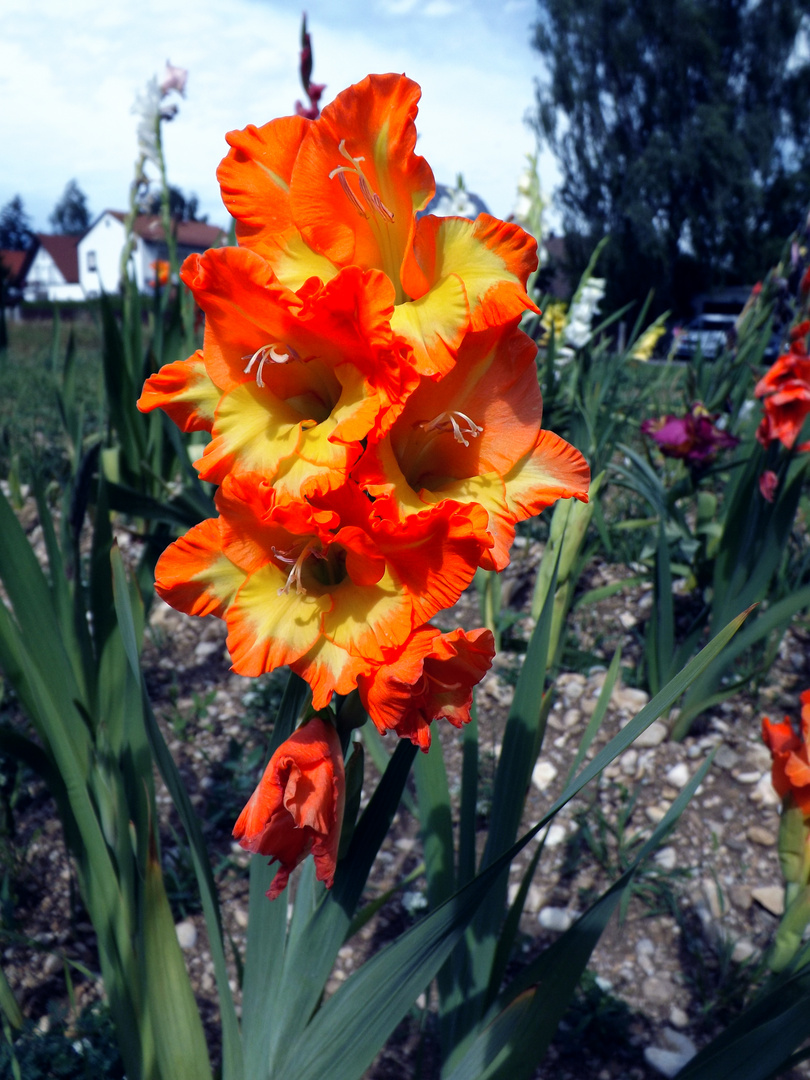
column 174, row 78
column 768, row 484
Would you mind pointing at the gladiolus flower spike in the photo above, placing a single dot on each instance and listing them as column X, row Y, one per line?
column 375, row 423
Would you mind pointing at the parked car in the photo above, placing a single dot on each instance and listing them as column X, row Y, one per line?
column 708, row 334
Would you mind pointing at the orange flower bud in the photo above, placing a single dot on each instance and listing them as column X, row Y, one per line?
column 297, row 807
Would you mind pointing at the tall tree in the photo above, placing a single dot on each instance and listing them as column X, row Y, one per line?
column 15, row 226
column 71, row 215
column 182, row 207
column 680, row 127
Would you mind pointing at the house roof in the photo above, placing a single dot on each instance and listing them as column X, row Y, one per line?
column 196, row 234
column 12, row 263
column 62, row 249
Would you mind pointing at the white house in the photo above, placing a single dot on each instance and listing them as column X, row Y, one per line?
column 101, row 247
column 51, row 270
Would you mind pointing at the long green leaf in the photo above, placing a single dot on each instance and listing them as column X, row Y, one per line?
column 433, row 798
column 468, row 813
column 232, row 1047
column 353, row 1024
column 180, row 1046
column 522, row 736
column 516, row 1032
column 759, row 1043
column 309, row 960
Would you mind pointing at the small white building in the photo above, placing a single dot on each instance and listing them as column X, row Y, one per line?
column 101, row 247
column 51, row 270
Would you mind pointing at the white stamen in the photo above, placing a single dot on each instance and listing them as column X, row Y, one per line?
column 265, row 355
column 447, row 421
column 296, row 564
column 445, row 685
column 371, row 197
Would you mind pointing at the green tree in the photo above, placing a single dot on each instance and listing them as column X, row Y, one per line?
column 182, row 207
column 680, row 128
column 70, row 215
column 15, row 226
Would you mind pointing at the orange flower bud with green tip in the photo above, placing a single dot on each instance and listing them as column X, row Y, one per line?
column 297, row 808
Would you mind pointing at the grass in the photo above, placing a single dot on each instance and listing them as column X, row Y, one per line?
column 31, row 432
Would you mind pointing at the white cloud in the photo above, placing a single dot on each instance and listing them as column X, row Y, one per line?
column 73, row 74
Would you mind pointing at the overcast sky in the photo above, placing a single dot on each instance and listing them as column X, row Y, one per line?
column 69, row 75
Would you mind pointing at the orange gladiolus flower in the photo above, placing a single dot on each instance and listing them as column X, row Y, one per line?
column 430, row 679
column 344, row 190
column 296, row 381
column 160, row 269
column 474, row 437
column 791, row 756
column 318, row 585
column 297, row 807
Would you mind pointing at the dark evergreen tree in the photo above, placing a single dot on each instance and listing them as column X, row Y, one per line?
column 182, row 207
column 681, row 129
column 70, row 215
column 15, row 226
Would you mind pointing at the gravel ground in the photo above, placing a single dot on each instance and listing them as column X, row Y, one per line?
column 665, row 978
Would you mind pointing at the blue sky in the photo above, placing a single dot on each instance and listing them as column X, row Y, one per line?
column 68, row 79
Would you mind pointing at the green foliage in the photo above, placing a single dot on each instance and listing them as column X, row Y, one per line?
column 65, row 652
column 71, row 215
column 15, row 226
column 44, row 374
column 679, row 130
column 84, row 1050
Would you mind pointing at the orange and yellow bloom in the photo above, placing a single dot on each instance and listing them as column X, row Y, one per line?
column 375, row 431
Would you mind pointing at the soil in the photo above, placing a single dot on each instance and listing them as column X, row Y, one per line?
column 666, row 975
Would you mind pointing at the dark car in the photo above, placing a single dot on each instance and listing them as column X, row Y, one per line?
column 707, row 334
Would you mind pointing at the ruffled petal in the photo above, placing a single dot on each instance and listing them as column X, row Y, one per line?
column 493, row 258
column 194, row 575
column 184, row 391
column 357, row 183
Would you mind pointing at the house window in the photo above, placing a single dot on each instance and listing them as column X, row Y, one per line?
column 91, row 260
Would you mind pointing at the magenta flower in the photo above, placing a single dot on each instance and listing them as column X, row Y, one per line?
column 693, row 438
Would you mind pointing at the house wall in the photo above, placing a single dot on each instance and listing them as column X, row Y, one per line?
column 45, row 281
column 101, row 248
column 147, row 253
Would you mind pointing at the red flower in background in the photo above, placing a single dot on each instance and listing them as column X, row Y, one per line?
column 298, row 806
column 789, row 750
column 785, row 393
column 768, row 483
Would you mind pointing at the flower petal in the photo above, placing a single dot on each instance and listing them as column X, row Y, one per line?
column 184, row 391
column 194, row 575
column 357, row 183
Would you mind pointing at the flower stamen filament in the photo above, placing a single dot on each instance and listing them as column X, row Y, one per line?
column 372, row 198
column 296, row 564
column 461, row 427
column 268, row 354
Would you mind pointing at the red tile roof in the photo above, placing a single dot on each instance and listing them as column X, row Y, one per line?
column 12, row 263
column 62, row 249
column 195, row 234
